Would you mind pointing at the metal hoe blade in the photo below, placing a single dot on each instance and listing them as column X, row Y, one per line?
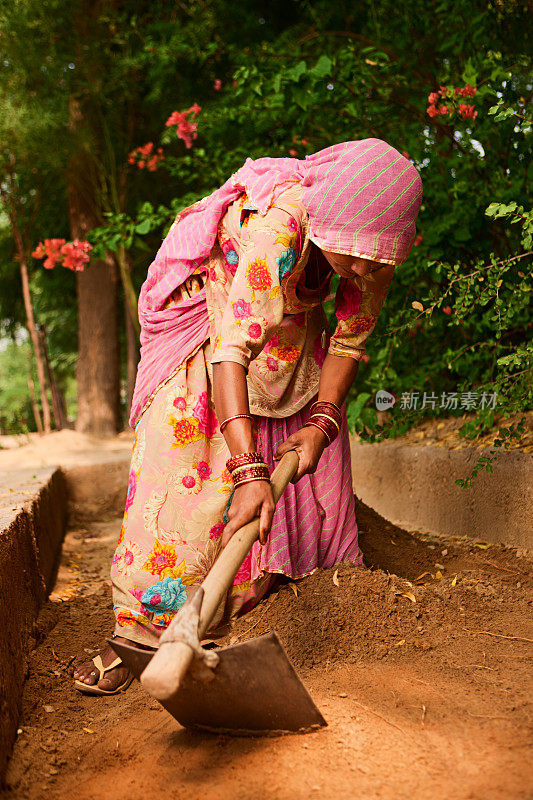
column 255, row 691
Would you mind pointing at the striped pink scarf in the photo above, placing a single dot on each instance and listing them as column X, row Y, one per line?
column 362, row 199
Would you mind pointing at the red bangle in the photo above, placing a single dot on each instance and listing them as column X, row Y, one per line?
column 249, row 474
column 242, row 459
column 326, row 424
column 324, row 407
column 320, row 428
column 230, row 419
column 250, row 480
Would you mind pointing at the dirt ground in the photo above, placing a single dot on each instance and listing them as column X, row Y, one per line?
column 420, row 663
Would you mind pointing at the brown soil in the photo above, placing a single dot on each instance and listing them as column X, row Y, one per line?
column 419, row 665
column 445, row 433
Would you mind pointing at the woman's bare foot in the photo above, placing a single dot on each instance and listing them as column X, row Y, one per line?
column 88, row 674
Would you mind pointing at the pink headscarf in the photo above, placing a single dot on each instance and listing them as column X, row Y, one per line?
column 362, row 198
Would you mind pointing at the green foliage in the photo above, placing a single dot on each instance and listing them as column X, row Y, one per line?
column 314, row 74
column 16, row 414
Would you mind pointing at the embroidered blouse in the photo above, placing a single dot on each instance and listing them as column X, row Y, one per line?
column 263, row 316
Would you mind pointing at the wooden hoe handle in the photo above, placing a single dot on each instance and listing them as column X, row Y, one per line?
column 166, row 670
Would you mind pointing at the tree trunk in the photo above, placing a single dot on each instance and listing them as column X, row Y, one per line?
column 33, row 399
column 57, row 404
column 98, row 366
column 30, row 321
column 9, row 203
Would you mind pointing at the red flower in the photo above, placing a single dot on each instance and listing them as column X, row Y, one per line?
column 216, row 531
column 443, row 90
column 305, row 141
column 467, row 111
column 195, row 109
column 419, row 239
column 365, row 358
column 433, row 111
column 447, row 310
column 433, row 98
column 176, row 118
column 73, row 255
column 217, row 86
column 293, row 152
column 466, row 91
column 443, row 110
column 204, row 470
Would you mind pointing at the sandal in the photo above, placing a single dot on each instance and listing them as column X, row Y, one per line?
column 95, row 689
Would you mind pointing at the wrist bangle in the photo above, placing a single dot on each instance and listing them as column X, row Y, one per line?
column 230, row 419
column 321, row 415
column 320, row 428
column 239, row 470
column 242, row 459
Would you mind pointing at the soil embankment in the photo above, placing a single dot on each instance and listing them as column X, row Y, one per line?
column 419, row 664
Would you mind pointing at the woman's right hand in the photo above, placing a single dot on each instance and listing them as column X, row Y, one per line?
column 250, row 500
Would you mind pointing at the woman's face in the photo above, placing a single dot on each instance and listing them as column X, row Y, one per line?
column 348, row 266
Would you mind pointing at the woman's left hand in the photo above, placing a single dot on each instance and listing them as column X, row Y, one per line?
column 309, row 443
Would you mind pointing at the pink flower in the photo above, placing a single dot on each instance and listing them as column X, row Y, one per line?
column 244, row 572
column 319, row 352
column 132, row 488
column 187, row 132
column 255, row 330
column 188, row 481
column 241, row 309
column 204, row 470
column 365, row 357
column 433, row 98
column 350, row 302
column 217, row 86
column 176, row 118
column 272, row 364
column 216, row 531
column 432, row 111
column 195, row 109
column 207, row 421
column 272, row 342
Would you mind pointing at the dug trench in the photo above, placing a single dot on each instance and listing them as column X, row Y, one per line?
column 419, row 663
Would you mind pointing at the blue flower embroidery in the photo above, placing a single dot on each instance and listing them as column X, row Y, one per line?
column 286, row 262
column 232, row 257
column 166, row 595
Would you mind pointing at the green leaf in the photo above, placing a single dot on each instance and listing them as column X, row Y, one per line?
column 143, row 227
column 322, row 67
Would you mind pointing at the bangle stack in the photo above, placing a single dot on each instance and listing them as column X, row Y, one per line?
column 247, row 467
column 327, row 418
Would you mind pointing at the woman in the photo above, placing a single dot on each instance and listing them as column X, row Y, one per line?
column 234, row 352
